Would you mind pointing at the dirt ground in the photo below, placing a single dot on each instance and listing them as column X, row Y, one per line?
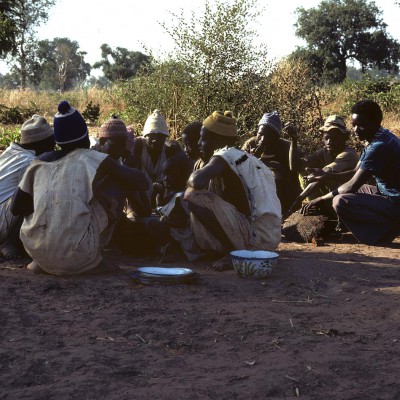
column 325, row 325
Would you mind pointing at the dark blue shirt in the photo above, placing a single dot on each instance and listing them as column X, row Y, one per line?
column 382, row 158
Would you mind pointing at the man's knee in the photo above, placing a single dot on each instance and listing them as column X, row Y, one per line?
column 339, row 202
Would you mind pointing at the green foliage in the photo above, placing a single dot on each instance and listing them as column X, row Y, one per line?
column 340, row 30
column 217, row 67
column 16, row 115
column 125, row 64
column 91, row 113
column 217, row 50
column 26, row 17
column 58, row 65
column 385, row 91
column 298, row 100
column 8, row 135
column 7, row 28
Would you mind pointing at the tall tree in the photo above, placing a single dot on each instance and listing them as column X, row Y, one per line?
column 59, row 64
column 217, row 48
column 340, row 30
column 26, row 16
column 120, row 63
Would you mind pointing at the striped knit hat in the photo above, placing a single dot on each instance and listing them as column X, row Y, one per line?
column 272, row 120
column 69, row 125
column 35, row 129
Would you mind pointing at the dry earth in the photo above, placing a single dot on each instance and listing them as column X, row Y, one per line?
column 325, row 325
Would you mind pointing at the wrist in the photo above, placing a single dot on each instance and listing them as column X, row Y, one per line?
column 335, row 192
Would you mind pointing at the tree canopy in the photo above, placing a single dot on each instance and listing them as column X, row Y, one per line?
column 217, row 48
column 120, row 63
column 60, row 65
column 8, row 28
column 340, row 30
column 21, row 18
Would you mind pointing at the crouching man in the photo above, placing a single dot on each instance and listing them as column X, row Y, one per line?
column 71, row 200
column 232, row 199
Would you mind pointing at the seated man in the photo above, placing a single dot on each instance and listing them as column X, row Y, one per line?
column 37, row 137
column 152, row 149
column 273, row 151
column 232, row 199
column 371, row 213
column 335, row 156
column 71, row 199
column 190, row 140
column 113, row 137
column 174, row 222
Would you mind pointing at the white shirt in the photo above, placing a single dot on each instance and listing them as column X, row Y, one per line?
column 13, row 163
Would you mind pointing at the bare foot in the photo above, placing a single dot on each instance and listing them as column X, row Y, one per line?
column 34, row 267
column 223, row 264
column 9, row 251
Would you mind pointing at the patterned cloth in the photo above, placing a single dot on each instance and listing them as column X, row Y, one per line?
column 262, row 229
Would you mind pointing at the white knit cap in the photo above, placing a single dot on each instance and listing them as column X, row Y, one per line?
column 155, row 123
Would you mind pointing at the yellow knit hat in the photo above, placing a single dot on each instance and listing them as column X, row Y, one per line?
column 155, row 123
column 221, row 124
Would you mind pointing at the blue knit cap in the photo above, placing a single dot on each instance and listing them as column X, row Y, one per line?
column 272, row 119
column 69, row 125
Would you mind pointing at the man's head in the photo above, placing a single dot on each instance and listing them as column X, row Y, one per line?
column 113, row 136
column 269, row 129
column 335, row 134
column 176, row 171
column 155, row 131
column 37, row 135
column 218, row 130
column 190, row 139
column 366, row 118
column 70, row 129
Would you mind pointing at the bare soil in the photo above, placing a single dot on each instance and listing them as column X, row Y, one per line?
column 324, row 325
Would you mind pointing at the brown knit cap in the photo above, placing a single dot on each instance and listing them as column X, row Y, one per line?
column 221, row 124
column 114, row 127
column 35, row 129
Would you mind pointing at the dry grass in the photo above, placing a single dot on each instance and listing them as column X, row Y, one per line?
column 47, row 102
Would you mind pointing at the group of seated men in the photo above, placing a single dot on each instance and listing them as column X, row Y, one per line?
column 63, row 207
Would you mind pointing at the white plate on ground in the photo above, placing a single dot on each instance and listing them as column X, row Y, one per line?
column 160, row 271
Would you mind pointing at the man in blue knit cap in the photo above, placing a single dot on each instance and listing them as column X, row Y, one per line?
column 71, row 200
column 273, row 151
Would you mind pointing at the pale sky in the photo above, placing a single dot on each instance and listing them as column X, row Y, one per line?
column 130, row 23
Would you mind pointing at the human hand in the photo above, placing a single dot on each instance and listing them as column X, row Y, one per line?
column 315, row 175
column 290, row 129
column 311, row 207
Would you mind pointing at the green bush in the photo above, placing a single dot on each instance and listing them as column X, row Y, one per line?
column 9, row 135
column 385, row 91
column 16, row 115
column 91, row 113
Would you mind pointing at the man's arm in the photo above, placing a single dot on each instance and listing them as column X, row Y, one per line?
column 21, row 203
column 128, row 178
column 319, row 175
column 200, row 179
column 359, row 179
column 296, row 163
